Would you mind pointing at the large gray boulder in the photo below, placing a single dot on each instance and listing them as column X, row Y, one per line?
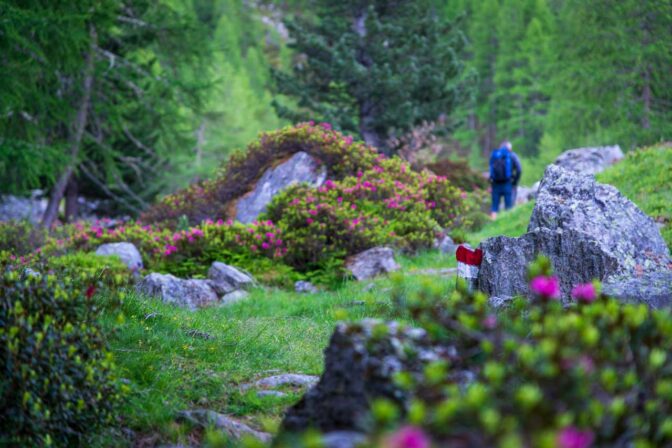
column 300, row 168
column 359, row 368
column 589, row 160
column 653, row 289
column 372, row 262
column 16, row 208
column 127, row 252
column 588, row 230
column 225, row 279
column 190, row 293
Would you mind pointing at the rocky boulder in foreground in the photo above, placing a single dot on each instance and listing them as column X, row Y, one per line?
column 127, row 252
column 587, row 229
column 190, row 293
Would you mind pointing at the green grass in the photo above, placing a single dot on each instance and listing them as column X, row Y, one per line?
column 169, row 369
column 509, row 223
column 645, row 177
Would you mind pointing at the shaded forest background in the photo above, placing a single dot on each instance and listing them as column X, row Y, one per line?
column 129, row 100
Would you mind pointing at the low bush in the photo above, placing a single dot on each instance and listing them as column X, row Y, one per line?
column 214, row 199
column 57, row 382
column 19, row 238
column 459, row 173
column 388, row 204
column 595, row 373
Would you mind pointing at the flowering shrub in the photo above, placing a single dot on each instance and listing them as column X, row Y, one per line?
column 459, row 174
column 20, row 237
column 213, row 199
column 57, row 379
column 596, row 373
column 387, row 204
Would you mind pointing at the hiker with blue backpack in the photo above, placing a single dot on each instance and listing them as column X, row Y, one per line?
column 505, row 171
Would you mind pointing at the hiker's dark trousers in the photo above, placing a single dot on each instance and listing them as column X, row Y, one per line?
column 499, row 190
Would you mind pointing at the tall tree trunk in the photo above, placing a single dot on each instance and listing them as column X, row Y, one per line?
column 71, row 204
column 51, row 213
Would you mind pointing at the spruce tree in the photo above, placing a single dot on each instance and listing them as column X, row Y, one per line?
column 372, row 67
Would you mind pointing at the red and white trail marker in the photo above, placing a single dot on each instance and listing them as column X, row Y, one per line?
column 468, row 265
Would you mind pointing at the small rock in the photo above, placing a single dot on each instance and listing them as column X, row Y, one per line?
column 302, row 286
column 127, row 252
column 446, row 245
column 232, row 427
column 287, row 379
column 199, row 334
column 372, row 262
column 233, row 297
column 187, row 293
column 271, row 393
column 226, row 279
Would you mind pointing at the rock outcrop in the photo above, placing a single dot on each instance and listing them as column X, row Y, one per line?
column 304, row 287
column 589, row 160
column 127, row 252
column 300, row 168
column 233, row 428
column 587, row 229
column 372, row 262
column 359, row 369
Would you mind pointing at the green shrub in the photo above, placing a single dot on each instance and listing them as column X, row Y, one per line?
column 19, row 238
column 598, row 372
column 215, row 198
column 459, row 173
column 387, row 204
column 57, row 381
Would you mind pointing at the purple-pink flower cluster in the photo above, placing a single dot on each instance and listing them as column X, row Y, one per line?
column 546, row 287
column 584, row 293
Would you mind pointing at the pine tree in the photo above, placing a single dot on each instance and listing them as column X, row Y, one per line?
column 372, row 67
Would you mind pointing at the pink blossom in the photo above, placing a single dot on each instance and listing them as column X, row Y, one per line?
column 265, row 245
column 253, row 247
column 169, row 250
column 339, row 199
column 197, row 232
column 270, row 235
column 311, row 123
column 329, row 184
column 309, row 220
column 347, row 140
column 572, row 437
column 250, row 230
column 353, row 206
column 220, row 222
column 278, row 242
column 229, row 222
column 407, row 437
column 378, row 169
column 546, row 287
column 312, row 212
column 490, row 322
column 584, row 293
column 326, row 126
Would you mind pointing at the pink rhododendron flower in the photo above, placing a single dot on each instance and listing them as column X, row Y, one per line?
column 270, row 235
column 339, row 199
column 347, row 140
column 253, row 247
column 572, row 437
column 584, row 293
column 326, row 126
column 407, row 437
column 309, row 220
column 265, row 245
column 490, row 322
column 169, row 250
column 312, row 212
column 329, row 184
column 546, row 287
column 353, row 206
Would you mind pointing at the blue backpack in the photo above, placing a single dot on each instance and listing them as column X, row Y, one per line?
column 500, row 165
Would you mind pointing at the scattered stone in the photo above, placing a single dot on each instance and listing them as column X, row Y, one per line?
column 15, row 208
column 372, row 262
column 287, row 379
column 588, row 230
column 446, row 245
column 358, row 370
column 127, row 252
column 526, row 194
column 233, row 428
column 589, row 160
column 233, row 297
column 369, row 287
column 271, row 393
column 302, row 286
column 225, row 279
column 199, row 334
column 300, row 168
column 187, row 293
column 150, row 316
column 29, row 272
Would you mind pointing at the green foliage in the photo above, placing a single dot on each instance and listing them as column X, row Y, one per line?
column 372, row 68
column 19, row 238
column 57, row 383
column 644, row 178
column 459, row 174
column 543, row 372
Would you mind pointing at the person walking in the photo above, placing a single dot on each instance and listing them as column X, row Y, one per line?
column 505, row 172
